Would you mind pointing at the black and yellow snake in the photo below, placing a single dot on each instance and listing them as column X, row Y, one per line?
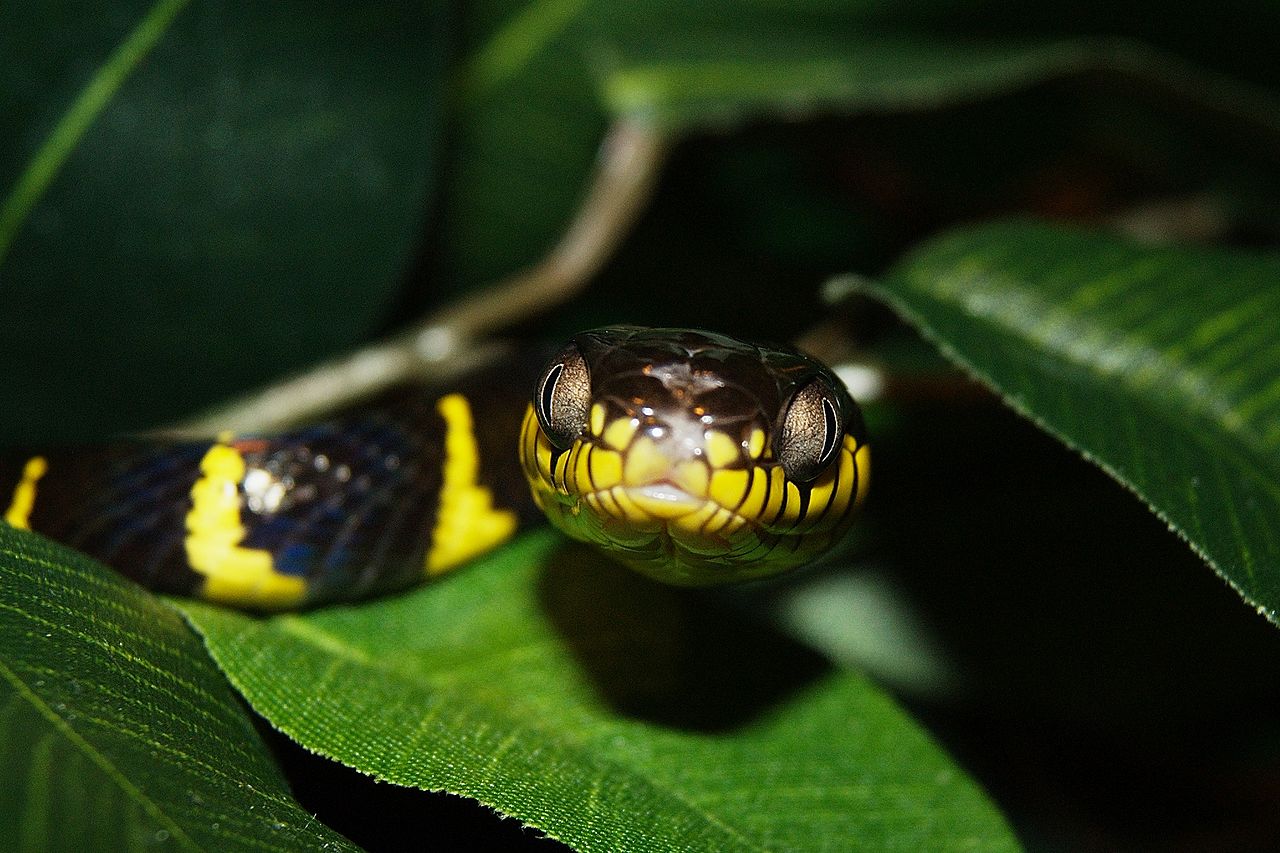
column 692, row 457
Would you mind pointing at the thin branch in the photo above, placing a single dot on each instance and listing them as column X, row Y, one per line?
column 630, row 159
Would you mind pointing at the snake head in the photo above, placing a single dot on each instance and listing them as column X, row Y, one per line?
column 693, row 457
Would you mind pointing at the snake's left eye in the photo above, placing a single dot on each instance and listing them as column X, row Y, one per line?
column 811, row 432
column 562, row 398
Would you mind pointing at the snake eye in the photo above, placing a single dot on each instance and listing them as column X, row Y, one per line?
column 562, row 398
column 811, row 432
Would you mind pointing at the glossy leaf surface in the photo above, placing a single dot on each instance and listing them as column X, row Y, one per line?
column 1162, row 365
column 197, row 197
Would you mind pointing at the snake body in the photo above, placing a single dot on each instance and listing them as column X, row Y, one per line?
column 692, row 457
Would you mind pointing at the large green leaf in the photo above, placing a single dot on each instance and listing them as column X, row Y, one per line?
column 116, row 730
column 195, row 197
column 797, row 74
column 538, row 81
column 1162, row 365
column 608, row 711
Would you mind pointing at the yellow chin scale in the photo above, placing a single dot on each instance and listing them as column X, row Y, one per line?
column 618, row 434
column 693, row 521
column 721, row 450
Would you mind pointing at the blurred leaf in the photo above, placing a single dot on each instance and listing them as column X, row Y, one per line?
column 793, row 73
column 893, row 134
column 1159, row 364
column 608, row 711
column 537, row 82
column 116, row 730
column 196, row 197
column 527, row 124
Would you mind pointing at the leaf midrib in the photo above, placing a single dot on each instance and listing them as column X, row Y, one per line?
column 47, row 161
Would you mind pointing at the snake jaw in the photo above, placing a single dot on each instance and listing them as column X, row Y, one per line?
column 684, row 522
column 665, row 501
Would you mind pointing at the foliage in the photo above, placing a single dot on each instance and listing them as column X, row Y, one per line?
column 609, row 711
column 119, row 733
column 1149, row 360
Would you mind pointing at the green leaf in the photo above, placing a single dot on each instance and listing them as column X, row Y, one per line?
column 526, row 128
column 116, row 730
column 1162, row 365
column 195, row 197
column 608, row 711
column 538, row 82
column 801, row 73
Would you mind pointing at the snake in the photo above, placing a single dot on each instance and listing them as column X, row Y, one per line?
column 692, row 457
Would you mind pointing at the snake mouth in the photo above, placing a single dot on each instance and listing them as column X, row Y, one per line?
column 673, row 535
column 636, row 516
column 682, row 537
column 664, row 500
column 692, row 522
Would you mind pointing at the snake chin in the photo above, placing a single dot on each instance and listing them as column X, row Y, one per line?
column 670, row 534
column 664, row 500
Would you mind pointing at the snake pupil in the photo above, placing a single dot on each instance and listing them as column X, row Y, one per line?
column 811, row 432
column 832, row 430
column 549, row 390
column 563, row 398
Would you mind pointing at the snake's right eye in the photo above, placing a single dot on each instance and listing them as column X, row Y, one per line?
column 562, row 398
column 811, row 432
